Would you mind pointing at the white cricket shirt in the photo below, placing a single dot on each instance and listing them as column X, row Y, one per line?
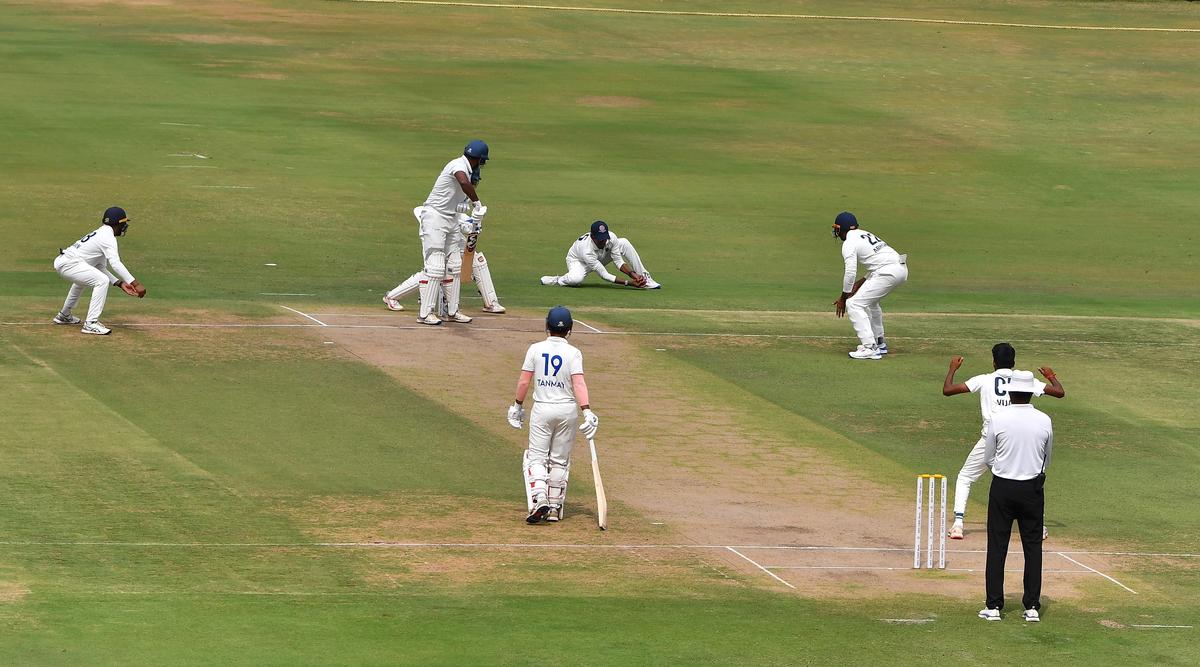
column 1018, row 442
column 585, row 251
column 553, row 362
column 447, row 192
column 96, row 248
column 993, row 392
column 863, row 247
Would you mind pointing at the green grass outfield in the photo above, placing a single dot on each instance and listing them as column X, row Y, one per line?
column 162, row 490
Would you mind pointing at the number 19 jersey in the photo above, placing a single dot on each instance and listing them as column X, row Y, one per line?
column 553, row 362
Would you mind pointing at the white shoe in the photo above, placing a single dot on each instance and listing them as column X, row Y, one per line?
column 990, row 614
column 865, row 352
column 66, row 319
column 95, row 328
column 882, row 347
column 650, row 284
column 429, row 319
column 392, row 304
column 1045, row 536
column 956, row 531
column 549, row 280
column 459, row 318
column 554, row 514
column 1032, row 616
column 494, row 309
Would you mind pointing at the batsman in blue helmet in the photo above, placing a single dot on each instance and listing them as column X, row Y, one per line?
column 554, row 368
column 443, row 237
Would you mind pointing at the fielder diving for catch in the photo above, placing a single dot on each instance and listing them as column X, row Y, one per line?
column 598, row 247
column 555, row 369
column 442, row 239
column 83, row 265
column 886, row 270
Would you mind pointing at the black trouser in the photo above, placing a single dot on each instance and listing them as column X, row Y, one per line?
column 1024, row 501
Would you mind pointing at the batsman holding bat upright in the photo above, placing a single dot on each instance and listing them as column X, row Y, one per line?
column 440, row 232
column 555, row 368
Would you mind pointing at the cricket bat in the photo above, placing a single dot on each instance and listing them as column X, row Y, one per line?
column 468, row 260
column 601, row 500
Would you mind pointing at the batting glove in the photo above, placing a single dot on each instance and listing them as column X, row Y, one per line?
column 479, row 211
column 516, row 415
column 590, row 423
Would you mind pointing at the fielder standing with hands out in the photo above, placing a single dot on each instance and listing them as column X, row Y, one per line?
column 886, row 270
column 555, row 369
column 1017, row 448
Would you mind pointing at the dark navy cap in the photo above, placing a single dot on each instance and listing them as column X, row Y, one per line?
column 558, row 320
column 846, row 220
column 114, row 214
column 600, row 231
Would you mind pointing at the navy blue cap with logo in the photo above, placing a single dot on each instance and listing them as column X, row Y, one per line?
column 558, row 320
column 600, row 232
column 115, row 216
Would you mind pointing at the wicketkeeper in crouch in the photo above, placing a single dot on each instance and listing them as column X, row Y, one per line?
column 555, row 368
column 440, row 232
column 598, row 247
column 83, row 265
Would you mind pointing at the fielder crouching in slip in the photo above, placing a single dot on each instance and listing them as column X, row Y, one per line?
column 598, row 247
column 555, row 368
column 84, row 264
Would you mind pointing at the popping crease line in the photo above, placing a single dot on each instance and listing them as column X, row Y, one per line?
column 755, row 564
column 800, row 17
column 1097, row 572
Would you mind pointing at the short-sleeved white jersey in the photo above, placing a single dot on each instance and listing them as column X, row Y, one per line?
column 585, row 251
column 553, row 362
column 98, row 247
column 447, row 192
column 863, row 247
column 993, row 392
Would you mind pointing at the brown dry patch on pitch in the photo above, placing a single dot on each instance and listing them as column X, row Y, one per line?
column 672, row 454
column 268, row 76
column 614, row 102
column 12, row 592
column 228, row 39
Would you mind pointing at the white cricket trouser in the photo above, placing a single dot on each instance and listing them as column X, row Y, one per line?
column 81, row 274
column 551, row 439
column 973, row 468
column 863, row 308
column 577, row 270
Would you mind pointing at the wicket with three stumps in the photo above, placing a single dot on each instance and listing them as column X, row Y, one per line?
column 931, row 497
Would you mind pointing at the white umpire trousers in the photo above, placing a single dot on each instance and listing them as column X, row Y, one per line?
column 81, row 275
column 863, row 308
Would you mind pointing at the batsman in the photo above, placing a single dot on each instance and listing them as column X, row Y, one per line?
column 555, row 369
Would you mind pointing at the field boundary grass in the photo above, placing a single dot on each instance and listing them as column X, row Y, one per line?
column 777, row 16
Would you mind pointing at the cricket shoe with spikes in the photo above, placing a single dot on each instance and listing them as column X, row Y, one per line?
column 956, row 531
column 540, row 509
column 95, row 328
column 494, row 309
column 554, row 514
column 392, row 304
column 429, row 319
column 651, row 284
column 866, row 352
column 459, row 318
column 549, row 280
column 66, row 318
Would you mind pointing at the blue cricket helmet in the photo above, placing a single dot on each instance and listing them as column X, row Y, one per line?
column 115, row 217
column 844, row 222
column 558, row 320
column 477, row 148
